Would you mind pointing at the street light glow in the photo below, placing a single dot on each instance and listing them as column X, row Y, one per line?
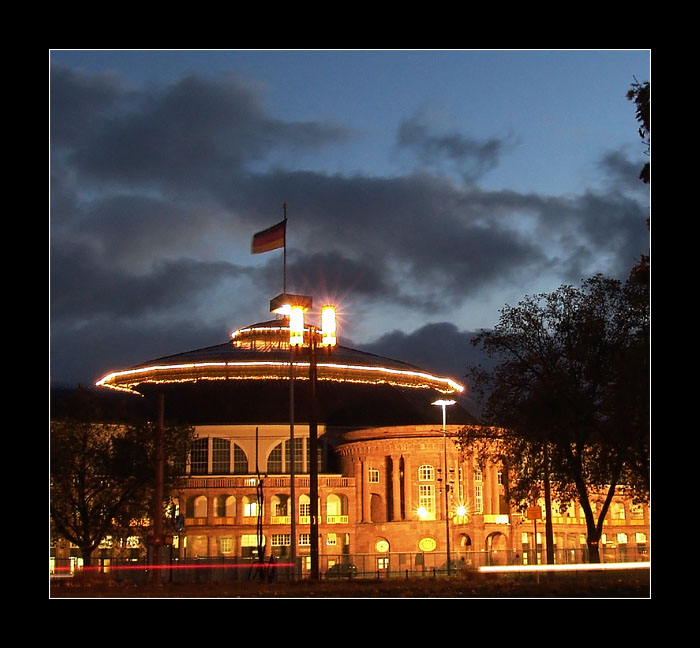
column 296, row 326
column 328, row 326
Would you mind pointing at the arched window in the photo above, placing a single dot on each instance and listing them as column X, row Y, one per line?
column 334, row 505
column 617, row 511
column 225, row 506
column 240, row 461
column 274, row 460
column 426, row 473
column 250, row 506
column 196, row 507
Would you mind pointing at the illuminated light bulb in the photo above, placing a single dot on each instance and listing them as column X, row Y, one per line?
column 328, row 326
column 296, row 326
column 422, row 512
column 461, row 511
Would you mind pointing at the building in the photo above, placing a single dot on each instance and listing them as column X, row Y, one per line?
column 394, row 492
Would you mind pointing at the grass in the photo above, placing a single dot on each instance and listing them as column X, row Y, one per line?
column 613, row 584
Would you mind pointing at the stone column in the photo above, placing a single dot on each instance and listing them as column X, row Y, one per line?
column 396, row 486
column 359, row 490
column 408, row 479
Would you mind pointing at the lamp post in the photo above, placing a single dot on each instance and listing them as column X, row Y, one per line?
column 444, row 404
column 325, row 338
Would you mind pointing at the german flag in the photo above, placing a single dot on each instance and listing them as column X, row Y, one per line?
column 269, row 239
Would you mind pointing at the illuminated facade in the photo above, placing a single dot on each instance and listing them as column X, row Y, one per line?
column 384, row 460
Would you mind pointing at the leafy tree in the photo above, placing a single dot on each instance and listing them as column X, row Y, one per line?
column 102, row 473
column 567, row 397
column 640, row 93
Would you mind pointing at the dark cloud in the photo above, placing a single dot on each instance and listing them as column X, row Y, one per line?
column 469, row 157
column 84, row 287
column 186, row 137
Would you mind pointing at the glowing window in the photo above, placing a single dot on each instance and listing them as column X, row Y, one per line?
column 373, row 476
column 426, row 498
column 426, row 473
column 250, row 506
column 304, row 506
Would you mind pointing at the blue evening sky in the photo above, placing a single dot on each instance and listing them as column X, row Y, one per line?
column 426, row 189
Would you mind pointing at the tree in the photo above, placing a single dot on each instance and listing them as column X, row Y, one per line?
column 567, row 399
column 640, row 93
column 102, row 473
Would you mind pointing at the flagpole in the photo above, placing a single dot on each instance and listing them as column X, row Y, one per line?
column 284, row 260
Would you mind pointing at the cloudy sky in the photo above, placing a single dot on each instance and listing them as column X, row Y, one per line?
column 425, row 190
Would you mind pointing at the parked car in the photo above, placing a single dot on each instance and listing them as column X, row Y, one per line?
column 341, row 570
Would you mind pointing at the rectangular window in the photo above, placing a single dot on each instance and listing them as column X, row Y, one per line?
column 426, row 498
column 373, row 475
column 304, row 540
column 478, row 496
column 331, row 539
column 478, row 475
column 304, row 510
column 226, row 545
column 221, row 456
column 281, row 540
column 199, row 456
column 426, row 473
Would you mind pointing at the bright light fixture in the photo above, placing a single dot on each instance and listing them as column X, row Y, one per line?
column 444, row 402
column 328, row 326
column 296, row 326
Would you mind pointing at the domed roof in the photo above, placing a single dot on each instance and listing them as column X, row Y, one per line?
column 247, row 380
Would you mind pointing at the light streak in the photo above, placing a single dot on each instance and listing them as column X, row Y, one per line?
column 125, row 380
column 110, row 568
column 571, row 567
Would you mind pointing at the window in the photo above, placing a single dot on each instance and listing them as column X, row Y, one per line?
column 225, row 506
column 281, row 540
column 274, row 460
column 304, row 540
column 426, row 499
column 426, row 473
column 199, row 456
column 240, row 461
column 304, row 506
column 226, row 545
column 333, row 505
column 478, row 476
column 382, row 564
column 331, row 539
column 479, row 499
column 637, row 512
column 250, row 506
column 276, row 465
column 617, row 511
column 373, row 476
column 220, row 456
column 279, row 504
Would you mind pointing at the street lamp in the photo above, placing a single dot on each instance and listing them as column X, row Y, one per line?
column 444, row 404
column 324, row 338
